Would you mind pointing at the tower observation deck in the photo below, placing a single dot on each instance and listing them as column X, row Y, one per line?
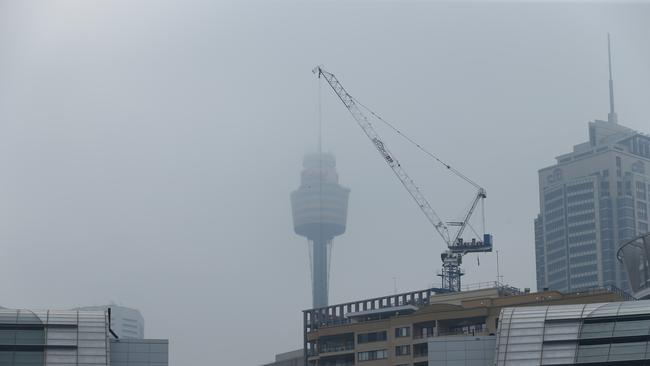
column 320, row 209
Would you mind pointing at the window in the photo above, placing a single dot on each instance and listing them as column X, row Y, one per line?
column 372, row 337
column 421, row 350
column 593, row 353
column 640, row 190
column 632, row 328
column 372, row 355
column 402, row 332
column 627, row 351
column 597, row 330
column 403, row 350
column 23, row 358
column 642, row 210
column 23, row 347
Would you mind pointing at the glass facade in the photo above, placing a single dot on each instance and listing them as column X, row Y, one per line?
column 592, row 200
column 22, row 339
column 53, row 338
column 591, row 334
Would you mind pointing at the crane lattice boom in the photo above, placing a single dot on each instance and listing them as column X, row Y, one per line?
column 456, row 247
column 394, row 164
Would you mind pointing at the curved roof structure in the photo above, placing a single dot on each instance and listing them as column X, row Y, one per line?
column 614, row 333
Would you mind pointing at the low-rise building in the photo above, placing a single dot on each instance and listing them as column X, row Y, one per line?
column 291, row 358
column 71, row 337
column 400, row 329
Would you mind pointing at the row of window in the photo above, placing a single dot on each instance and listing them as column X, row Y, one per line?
column 588, row 257
column 558, row 204
column 620, row 328
column 585, row 217
column 557, row 278
column 581, row 250
column 553, row 194
column 383, row 335
column 554, row 214
column 580, row 187
column 612, row 352
column 372, row 337
column 33, row 358
column 581, row 197
column 379, row 354
column 22, row 337
column 403, row 350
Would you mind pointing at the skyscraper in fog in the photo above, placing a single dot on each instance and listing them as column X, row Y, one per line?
column 320, row 207
column 591, row 200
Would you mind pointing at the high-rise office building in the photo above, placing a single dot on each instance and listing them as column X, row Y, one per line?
column 592, row 200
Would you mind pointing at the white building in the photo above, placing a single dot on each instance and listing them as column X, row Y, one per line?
column 125, row 322
column 71, row 337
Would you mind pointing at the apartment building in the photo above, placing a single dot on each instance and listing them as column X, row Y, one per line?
column 418, row 328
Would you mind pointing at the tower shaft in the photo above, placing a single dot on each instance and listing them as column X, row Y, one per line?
column 320, row 275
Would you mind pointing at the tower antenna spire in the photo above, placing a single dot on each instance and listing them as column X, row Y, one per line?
column 611, row 117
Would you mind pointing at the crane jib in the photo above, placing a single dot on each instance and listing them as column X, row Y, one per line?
column 382, row 150
column 456, row 246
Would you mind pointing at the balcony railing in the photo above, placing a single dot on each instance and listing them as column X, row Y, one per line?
column 479, row 330
column 474, row 332
column 328, row 348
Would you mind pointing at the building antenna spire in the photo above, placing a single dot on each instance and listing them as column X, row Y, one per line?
column 611, row 117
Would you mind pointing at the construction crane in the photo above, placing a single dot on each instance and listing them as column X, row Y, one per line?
column 457, row 247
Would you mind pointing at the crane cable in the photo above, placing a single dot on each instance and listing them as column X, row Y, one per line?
column 453, row 170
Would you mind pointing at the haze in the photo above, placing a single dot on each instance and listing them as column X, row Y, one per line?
column 148, row 148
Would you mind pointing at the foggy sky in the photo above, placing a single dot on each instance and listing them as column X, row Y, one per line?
column 148, row 148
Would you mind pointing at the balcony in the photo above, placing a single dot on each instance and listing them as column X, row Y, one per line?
column 340, row 347
column 338, row 363
column 421, row 350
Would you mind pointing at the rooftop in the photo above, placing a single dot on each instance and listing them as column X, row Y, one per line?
column 605, row 135
column 435, row 300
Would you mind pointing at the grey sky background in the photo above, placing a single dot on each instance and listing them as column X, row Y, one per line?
column 148, row 148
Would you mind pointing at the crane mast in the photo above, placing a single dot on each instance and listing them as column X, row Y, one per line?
column 452, row 257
